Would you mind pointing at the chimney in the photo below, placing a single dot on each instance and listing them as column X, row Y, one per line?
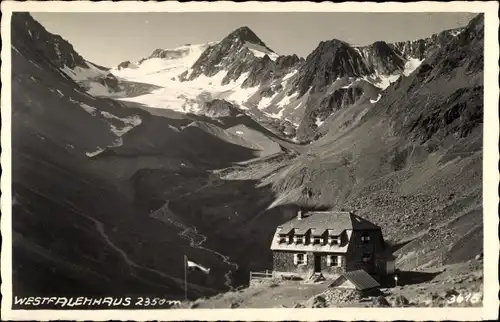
column 299, row 214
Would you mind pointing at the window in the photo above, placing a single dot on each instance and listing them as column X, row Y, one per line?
column 334, row 240
column 367, row 258
column 299, row 239
column 300, row 259
column 282, row 239
column 317, row 240
column 365, row 238
column 333, row 260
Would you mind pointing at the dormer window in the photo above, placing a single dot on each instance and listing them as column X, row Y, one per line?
column 317, row 240
column 299, row 239
column 334, row 240
column 365, row 238
column 282, row 239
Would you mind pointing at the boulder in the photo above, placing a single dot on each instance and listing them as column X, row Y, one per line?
column 380, row 301
column 318, row 301
column 400, row 300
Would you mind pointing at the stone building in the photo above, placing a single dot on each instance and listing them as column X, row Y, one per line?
column 329, row 243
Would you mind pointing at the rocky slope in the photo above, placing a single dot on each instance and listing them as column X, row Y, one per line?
column 410, row 162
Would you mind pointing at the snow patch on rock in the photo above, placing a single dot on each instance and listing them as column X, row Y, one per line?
column 411, row 65
column 377, row 99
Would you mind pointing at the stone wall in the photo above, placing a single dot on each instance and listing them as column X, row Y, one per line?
column 283, row 262
column 332, row 271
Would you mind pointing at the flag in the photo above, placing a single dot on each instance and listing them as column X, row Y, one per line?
column 193, row 265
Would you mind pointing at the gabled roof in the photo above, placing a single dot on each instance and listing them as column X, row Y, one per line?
column 360, row 279
column 337, row 221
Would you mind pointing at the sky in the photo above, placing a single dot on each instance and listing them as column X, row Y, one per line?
column 111, row 38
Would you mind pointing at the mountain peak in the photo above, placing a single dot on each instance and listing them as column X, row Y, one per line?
column 245, row 34
column 381, row 48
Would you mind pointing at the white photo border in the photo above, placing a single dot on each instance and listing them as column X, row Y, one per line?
column 490, row 169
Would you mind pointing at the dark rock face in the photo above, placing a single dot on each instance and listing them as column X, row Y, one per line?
column 123, row 65
column 243, row 61
column 169, row 54
column 458, row 110
column 29, row 35
column 267, row 70
column 262, row 69
column 383, row 59
column 226, row 53
column 110, row 81
column 330, row 60
column 245, row 34
column 460, row 117
column 319, row 108
column 288, row 61
column 219, row 108
column 341, row 98
column 233, row 55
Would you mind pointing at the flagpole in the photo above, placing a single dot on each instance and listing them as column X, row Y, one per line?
column 185, row 279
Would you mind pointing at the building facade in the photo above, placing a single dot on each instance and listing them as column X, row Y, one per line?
column 329, row 243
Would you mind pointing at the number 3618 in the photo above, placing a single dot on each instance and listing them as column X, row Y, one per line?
column 472, row 298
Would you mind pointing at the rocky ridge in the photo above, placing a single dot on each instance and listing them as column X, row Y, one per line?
column 30, row 36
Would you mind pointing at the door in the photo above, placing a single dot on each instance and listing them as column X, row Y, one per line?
column 317, row 263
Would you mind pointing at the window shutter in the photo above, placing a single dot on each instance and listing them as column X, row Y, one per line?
column 305, row 259
column 295, row 259
column 328, row 260
column 339, row 261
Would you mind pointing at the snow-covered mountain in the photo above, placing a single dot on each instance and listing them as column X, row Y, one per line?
column 284, row 91
column 162, row 65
